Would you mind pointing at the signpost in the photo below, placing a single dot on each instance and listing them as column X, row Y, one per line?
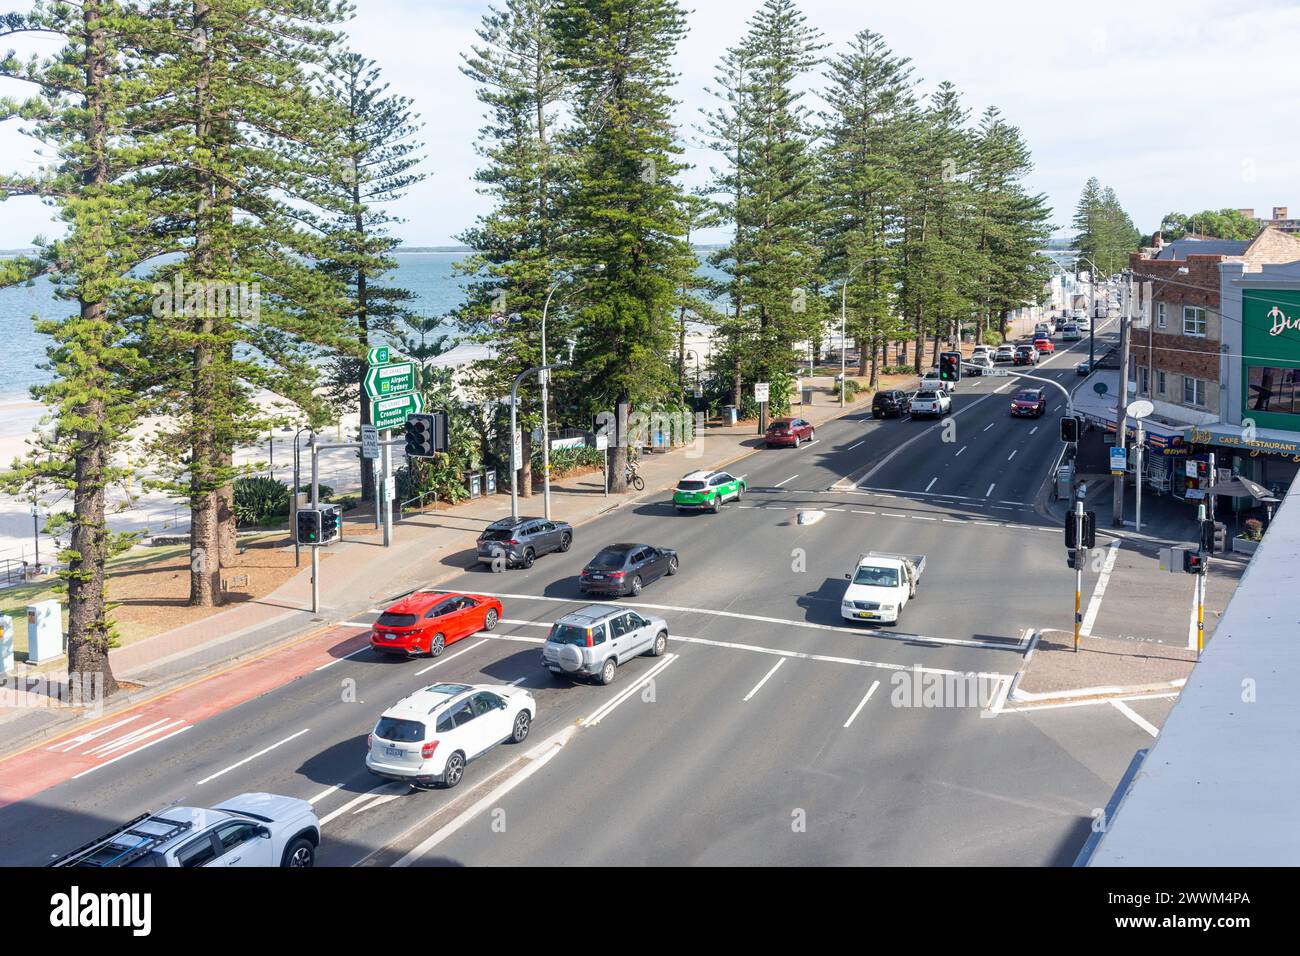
column 761, row 392
column 1118, row 460
column 391, row 412
column 395, row 378
column 377, row 355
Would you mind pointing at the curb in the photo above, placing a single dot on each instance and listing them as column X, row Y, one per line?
column 1094, row 693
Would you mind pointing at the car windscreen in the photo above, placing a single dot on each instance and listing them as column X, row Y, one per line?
column 395, row 620
column 690, row 485
column 498, row 534
column 399, row 730
column 562, row 633
column 877, row 577
column 609, row 560
column 1027, row 397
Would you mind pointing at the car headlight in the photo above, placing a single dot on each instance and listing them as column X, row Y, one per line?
column 888, row 607
column 847, row 605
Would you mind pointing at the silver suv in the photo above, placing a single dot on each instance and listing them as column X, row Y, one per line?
column 594, row 640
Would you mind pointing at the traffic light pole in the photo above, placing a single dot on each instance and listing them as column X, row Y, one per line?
column 387, row 452
column 315, row 551
column 1078, row 569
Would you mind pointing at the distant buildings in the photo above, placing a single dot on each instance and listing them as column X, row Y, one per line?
column 1280, row 219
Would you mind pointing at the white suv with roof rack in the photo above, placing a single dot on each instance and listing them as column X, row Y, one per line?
column 429, row 737
column 593, row 641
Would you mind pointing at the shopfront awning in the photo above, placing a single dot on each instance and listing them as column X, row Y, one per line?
column 1263, row 441
column 1098, row 406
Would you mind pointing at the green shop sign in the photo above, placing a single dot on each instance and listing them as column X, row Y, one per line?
column 1270, row 347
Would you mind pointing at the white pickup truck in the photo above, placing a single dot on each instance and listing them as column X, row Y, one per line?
column 880, row 586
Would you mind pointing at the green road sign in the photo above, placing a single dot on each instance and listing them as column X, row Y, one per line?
column 387, row 380
column 391, row 412
column 378, row 355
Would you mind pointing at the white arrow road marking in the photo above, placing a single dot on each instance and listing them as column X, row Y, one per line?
column 862, row 703
column 134, row 737
column 73, row 742
column 1137, row 718
column 156, row 740
column 252, row 757
column 536, row 759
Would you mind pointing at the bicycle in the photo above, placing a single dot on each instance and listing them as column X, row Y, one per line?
column 633, row 477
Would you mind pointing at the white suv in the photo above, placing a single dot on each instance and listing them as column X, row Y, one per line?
column 592, row 641
column 429, row 737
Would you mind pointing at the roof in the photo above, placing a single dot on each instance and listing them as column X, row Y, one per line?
column 1182, row 248
column 425, row 700
column 512, row 522
column 419, row 601
column 698, row 475
column 593, row 612
column 1219, row 785
column 1270, row 246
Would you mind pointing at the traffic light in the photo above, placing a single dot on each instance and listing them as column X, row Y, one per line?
column 1089, row 530
column 1214, row 536
column 308, row 529
column 331, row 523
column 950, row 366
column 441, row 432
column 1069, row 429
column 1202, row 470
column 419, row 436
column 1193, row 562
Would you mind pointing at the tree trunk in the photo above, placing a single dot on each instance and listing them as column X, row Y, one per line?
column 526, row 466
column 89, row 631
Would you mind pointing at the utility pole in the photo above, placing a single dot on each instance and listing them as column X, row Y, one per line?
column 1200, row 589
column 1078, row 568
column 315, row 551
column 1121, row 419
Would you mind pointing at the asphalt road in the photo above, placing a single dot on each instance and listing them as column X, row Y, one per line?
column 772, row 733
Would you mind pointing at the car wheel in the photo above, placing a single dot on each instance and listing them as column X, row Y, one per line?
column 490, row 619
column 636, row 585
column 523, row 723
column 796, row 441
column 527, row 562
column 566, row 540
column 608, row 670
column 716, row 504
column 660, row 644
column 672, row 565
column 454, row 771
column 300, row 853
column 740, row 492
column 437, row 645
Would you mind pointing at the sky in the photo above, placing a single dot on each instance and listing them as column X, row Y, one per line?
column 1176, row 104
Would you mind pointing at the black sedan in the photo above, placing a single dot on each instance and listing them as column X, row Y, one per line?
column 623, row 569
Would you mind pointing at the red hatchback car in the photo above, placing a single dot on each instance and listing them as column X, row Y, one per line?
column 1044, row 345
column 789, row 432
column 427, row 621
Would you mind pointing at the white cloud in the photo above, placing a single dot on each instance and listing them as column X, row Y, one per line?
column 1177, row 105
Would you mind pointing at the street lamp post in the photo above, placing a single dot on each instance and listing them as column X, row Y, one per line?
column 36, row 537
column 514, row 461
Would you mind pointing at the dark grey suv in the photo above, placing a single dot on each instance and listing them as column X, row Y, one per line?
column 515, row 542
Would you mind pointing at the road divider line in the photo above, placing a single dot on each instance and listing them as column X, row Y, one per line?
column 328, row 791
column 605, row 709
column 932, row 481
column 989, row 425
column 958, row 455
column 331, row 663
column 862, row 703
column 856, row 444
column 1099, row 590
column 989, row 494
column 1012, row 455
column 252, row 757
column 780, row 483
column 1137, row 718
column 450, row 657
column 766, row 677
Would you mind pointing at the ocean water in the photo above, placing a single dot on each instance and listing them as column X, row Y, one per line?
column 429, row 275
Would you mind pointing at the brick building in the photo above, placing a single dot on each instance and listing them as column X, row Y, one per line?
column 1280, row 219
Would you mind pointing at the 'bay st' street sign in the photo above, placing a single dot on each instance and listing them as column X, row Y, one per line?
column 392, row 379
column 389, row 413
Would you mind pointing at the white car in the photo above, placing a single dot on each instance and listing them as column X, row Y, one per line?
column 1005, row 353
column 1071, row 333
column 880, row 586
column 429, row 737
column 931, row 382
column 934, row 402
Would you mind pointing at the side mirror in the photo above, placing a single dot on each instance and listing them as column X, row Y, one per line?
column 848, row 577
column 264, row 832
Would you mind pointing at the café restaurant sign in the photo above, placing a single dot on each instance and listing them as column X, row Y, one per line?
column 1255, row 446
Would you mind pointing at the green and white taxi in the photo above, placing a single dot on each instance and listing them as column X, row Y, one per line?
column 701, row 490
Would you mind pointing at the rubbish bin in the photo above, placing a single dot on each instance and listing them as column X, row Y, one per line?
column 44, row 632
column 490, row 480
column 475, row 486
column 729, row 413
column 6, row 644
column 1065, row 481
column 807, row 395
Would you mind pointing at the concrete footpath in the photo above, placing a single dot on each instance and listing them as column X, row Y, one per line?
column 358, row 574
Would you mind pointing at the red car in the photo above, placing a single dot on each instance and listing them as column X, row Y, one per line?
column 427, row 621
column 1029, row 401
column 788, row 431
column 1044, row 345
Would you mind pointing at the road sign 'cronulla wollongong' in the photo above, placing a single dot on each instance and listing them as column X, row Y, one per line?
column 392, row 379
column 391, row 412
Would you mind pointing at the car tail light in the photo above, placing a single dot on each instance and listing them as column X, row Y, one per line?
column 617, row 574
column 513, row 541
column 427, row 750
column 370, row 741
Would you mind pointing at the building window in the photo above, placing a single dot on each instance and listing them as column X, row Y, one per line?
column 1160, row 381
column 1144, row 382
column 1194, row 391
column 1275, row 390
column 1193, row 320
column 1161, row 315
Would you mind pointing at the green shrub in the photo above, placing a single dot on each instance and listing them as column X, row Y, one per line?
column 565, row 461
column 259, row 500
column 851, row 389
column 323, row 492
column 1254, row 530
column 992, row 337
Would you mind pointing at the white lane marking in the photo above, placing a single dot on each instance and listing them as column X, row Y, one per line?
column 766, row 677
column 1010, row 456
column 131, row 753
column 923, row 518
column 989, row 425
column 354, row 624
column 73, row 742
column 999, row 390
column 332, row 662
column 1018, row 646
column 832, row 659
column 252, row 757
column 932, row 481
column 813, row 442
column 536, row 759
column 862, row 703
column 392, row 786
column 605, row 709
column 1137, row 718
column 989, row 493
column 855, row 445
column 958, row 455
column 956, row 521
column 134, row 737
column 325, row 793
column 860, row 511
column 886, row 514
column 448, row 657
column 1034, row 429
column 1099, row 590
column 780, row 483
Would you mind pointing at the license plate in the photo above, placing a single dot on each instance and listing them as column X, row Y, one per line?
column 866, row 614
column 393, row 752
column 598, row 577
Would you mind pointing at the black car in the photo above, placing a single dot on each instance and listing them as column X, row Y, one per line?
column 516, row 541
column 621, row 569
column 891, row 402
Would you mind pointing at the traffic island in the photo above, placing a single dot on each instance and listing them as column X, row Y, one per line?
column 1102, row 667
